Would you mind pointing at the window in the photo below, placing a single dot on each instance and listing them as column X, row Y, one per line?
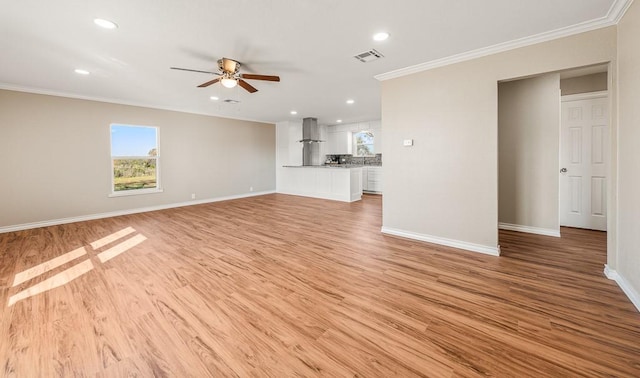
column 363, row 142
column 134, row 160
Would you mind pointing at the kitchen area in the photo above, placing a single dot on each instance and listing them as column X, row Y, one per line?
column 336, row 162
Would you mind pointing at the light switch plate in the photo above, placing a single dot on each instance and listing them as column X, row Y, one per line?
column 408, row 142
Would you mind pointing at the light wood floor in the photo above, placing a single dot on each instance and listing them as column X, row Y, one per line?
column 282, row 286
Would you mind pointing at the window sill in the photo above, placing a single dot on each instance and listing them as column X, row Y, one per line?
column 134, row 192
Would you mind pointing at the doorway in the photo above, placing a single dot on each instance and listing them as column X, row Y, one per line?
column 532, row 191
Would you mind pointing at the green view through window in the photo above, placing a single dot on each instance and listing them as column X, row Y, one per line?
column 364, row 143
column 134, row 158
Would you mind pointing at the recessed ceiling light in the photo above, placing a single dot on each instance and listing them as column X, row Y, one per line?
column 293, row 112
column 350, row 101
column 380, row 36
column 214, row 98
column 105, row 23
column 81, row 72
column 339, row 121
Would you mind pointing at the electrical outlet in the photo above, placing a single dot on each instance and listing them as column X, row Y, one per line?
column 251, row 188
column 193, row 196
column 408, row 142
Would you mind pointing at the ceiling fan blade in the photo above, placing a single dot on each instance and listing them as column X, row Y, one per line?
column 260, row 77
column 208, row 83
column 246, row 86
column 229, row 65
column 190, row 70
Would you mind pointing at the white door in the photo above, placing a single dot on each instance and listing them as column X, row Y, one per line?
column 584, row 150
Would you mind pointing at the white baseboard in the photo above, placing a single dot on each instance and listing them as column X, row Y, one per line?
column 626, row 287
column 82, row 218
column 529, row 229
column 327, row 196
column 493, row 251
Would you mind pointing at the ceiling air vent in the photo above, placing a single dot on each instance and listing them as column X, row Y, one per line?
column 369, row 56
column 230, row 101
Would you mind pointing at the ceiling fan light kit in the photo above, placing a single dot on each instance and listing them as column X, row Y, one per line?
column 228, row 81
column 230, row 77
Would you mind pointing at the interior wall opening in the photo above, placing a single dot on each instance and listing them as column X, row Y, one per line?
column 553, row 152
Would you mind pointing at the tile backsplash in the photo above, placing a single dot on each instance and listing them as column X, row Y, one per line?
column 350, row 159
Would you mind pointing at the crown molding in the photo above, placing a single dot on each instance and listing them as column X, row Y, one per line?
column 614, row 15
column 618, row 9
column 47, row 92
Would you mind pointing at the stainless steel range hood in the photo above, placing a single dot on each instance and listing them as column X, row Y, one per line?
column 311, row 142
column 310, row 131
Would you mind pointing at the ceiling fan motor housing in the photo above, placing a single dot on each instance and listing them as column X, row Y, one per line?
column 229, row 66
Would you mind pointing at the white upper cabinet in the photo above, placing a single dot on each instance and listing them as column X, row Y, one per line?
column 340, row 137
column 339, row 142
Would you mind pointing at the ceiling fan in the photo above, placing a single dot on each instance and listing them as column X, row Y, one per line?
column 229, row 75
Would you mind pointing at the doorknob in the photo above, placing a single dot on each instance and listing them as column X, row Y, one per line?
column 563, row 170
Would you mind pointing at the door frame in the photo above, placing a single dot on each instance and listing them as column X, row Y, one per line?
column 612, row 180
column 579, row 97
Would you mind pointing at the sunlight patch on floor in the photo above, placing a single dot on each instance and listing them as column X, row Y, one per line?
column 120, row 248
column 75, row 271
column 48, row 265
column 58, row 280
column 113, row 237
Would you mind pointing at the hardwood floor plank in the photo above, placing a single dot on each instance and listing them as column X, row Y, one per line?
column 282, row 286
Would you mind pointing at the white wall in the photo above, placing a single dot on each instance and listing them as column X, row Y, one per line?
column 288, row 147
column 627, row 261
column 55, row 157
column 584, row 84
column 445, row 187
column 528, row 145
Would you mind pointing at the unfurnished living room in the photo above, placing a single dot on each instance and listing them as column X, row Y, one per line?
column 331, row 188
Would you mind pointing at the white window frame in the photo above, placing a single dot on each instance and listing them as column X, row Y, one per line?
column 355, row 143
column 134, row 192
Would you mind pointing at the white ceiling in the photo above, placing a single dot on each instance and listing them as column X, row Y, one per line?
column 309, row 44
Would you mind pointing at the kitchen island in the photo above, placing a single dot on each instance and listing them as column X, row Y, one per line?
column 322, row 181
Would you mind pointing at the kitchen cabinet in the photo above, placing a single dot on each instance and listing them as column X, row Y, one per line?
column 339, row 142
column 338, row 184
column 372, row 179
column 365, row 179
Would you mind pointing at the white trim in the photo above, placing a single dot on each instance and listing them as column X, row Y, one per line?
column 584, row 96
column 613, row 16
column 47, row 92
column 618, row 9
column 327, row 196
column 624, row 284
column 134, row 192
column 493, row 251
column 82, row 218
column 529, row 229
